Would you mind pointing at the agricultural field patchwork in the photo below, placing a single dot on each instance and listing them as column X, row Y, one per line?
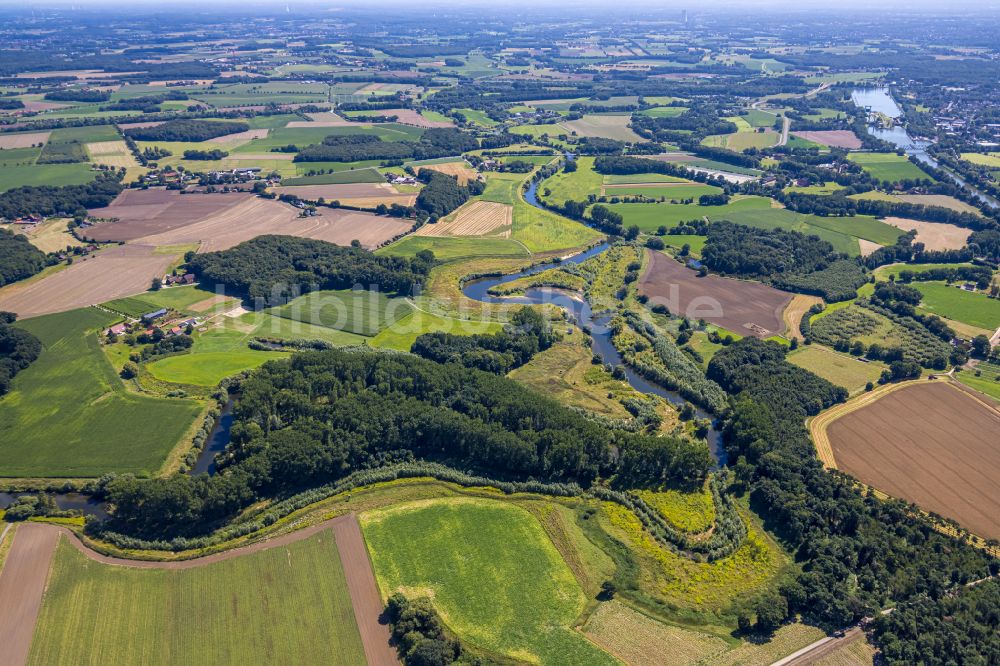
column 930, row 444
column 889, row 167
column 519, row 600
column 68, row 414
column 286, row 604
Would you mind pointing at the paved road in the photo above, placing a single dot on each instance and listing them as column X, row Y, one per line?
column 812, row 653
column 785, row 124
column 24, row 575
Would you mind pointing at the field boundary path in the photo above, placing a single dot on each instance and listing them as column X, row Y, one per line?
column 24, row 575
column 365, row 597
column 22, row 583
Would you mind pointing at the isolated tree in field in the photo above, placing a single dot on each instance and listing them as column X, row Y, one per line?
column 157, row 284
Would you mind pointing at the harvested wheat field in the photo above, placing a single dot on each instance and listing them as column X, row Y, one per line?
column 23, row 140
column 832, row 138
column 605, row 126
column 942, row 200
column 111, row 153
column 113, row 273
column 460, row 170
column 257, row 217
column 673, row 157
column 239, row 138
column 867, row 246
column 362, row 195
column 145, row 212
column 476, row 218
column 934, row 235
column 52, row 235
column 743, row 307
column 932, row 444
column 796, row 309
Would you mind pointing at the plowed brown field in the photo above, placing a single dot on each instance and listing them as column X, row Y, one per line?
column 746, row 308
column 23, row 140
column 256, row 217
column 109, row 274
column 932, row 444
column 145, row 212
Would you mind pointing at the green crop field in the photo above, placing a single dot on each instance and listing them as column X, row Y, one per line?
column 208, row 368
column 840, row 369
column 650, row 216
column 543, row 231
column 492, row 573
column 630, row 179
column 403, row 332
column 575, row 185
column 45, row 174
column 663, row 111
column 339, row 177
column 361, row 312
column 888, row 166
column 985, row 378
column 453, row 248
column 757, row 118
column 893, row 270
column 963, row 306
column 983, row 159
column 477, row 117
column 133, row 306
column 668, row 192
column 821, row 190
column 178, row 298
column 285, row 605
column 68, row 414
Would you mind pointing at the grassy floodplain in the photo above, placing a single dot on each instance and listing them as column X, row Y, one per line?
column 283, row 605
column 68, row 413
column 518, row 600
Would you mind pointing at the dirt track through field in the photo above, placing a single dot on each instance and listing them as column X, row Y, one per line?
column 930, row 443
column 743, row 307
column 793, row 314
column 22, row 581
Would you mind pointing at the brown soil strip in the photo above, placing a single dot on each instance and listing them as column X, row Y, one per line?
column 22, row 583
column 834, row 138
column 931, row 444
column 23, row 140
column 934, row 235
column 743, row 307
column 365, row 596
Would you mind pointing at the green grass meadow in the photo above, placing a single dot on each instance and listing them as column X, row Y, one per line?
column 361, row 312
column 492, row 573
column 208, row 368
column 888, row 166
column 963, row 306
column 69, row 415
column 284, row 605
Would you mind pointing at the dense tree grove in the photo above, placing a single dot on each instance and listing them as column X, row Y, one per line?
column 950, row 629
column 986, row 243
column 18, row 350
column 19, row 259
column 838, row 205
column 839, row 281
column 276, row 268
column 527, row 334
column 186, row 129
column 433, row 143
column 68, row 200
column 420, row 636
column 735, row 249
column 79, row 95
column 442, row 193
column 319, row 416
column 858, row 553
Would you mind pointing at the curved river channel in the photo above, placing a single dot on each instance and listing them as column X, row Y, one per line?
column 580, row 312
column 578, row 309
